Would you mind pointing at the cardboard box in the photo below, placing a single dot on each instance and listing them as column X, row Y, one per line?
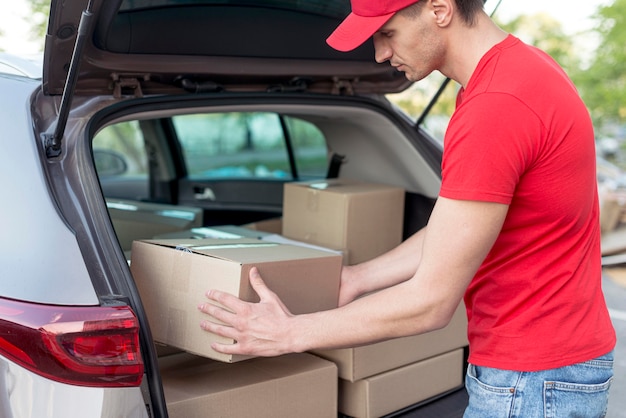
column 173, row 277
column 294, row 385
column 218, row 231
column 364, row 218
column 368, row 360
column 281, row 239
column 134, row 220
column 236, row 232
column 273, row 225
column 388, row 392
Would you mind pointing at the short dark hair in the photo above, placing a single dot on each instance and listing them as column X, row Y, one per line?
column 468, row 9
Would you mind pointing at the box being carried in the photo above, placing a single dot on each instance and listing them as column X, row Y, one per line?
column 173, row 277
column 366, row 219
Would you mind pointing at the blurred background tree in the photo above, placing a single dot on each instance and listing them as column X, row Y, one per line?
column 546, row 33
column 603, row 82
column 40, row 10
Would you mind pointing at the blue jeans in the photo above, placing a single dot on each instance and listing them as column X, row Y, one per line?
column 580, row 390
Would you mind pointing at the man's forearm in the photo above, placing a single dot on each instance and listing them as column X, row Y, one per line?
column 459, row 236
column 391, row 268
column 393, row 312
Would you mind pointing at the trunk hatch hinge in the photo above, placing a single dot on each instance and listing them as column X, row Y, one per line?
column 343, row 87
column 295, row 85
column 128, row 84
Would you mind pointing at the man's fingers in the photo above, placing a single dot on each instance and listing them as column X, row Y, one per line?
column 224, row 331
column 227, row 348
column 264, row 292
column 228, row 301
column 257, row 283
column 219, row 329
column 217, row 312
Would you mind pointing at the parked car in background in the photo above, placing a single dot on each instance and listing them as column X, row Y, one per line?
column 188, row 113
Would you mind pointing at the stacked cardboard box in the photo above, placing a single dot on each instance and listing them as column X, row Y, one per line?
column 134, row 220
column 366, row 220
column 397, row 389
column 363, row 219
column 173, row 276
column 368, row 360
column 272, row 226
column 427, row 364
column 294, row 385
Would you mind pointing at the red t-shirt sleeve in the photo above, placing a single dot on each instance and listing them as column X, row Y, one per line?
column 487, row 148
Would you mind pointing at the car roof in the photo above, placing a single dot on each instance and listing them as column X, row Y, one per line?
column 18, row 65
column 169, row 45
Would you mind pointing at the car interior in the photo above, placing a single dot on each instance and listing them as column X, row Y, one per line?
column 227, row 165
column 171, row 171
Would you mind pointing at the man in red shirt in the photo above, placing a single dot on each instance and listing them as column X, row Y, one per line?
column 515, row 231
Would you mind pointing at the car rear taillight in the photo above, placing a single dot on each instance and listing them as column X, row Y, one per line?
column 86, row 346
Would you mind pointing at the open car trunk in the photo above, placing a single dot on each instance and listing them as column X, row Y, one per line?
column 376, row 147
column 188, row 116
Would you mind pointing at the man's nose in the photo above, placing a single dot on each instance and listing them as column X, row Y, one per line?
column 382, row 52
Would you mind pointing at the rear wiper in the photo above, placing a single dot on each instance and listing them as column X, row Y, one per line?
column 52, row 142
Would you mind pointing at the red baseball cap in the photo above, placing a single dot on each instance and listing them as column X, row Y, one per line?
column 366, row 18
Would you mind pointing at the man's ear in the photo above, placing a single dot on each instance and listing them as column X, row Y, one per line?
column 443, row 10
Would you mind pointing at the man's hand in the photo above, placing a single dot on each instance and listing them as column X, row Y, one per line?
column 259, row 329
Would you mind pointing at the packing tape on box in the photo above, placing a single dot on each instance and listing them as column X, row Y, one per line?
column 184, row 249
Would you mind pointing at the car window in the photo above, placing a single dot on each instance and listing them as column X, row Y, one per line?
column 121, row 161
column 309, row 148
column 252, row 145
column 436, row 121
column 415, row 101
column 125, row 141
column 213, row 146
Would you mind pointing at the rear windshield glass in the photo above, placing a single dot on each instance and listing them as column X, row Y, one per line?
column 330, row 8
